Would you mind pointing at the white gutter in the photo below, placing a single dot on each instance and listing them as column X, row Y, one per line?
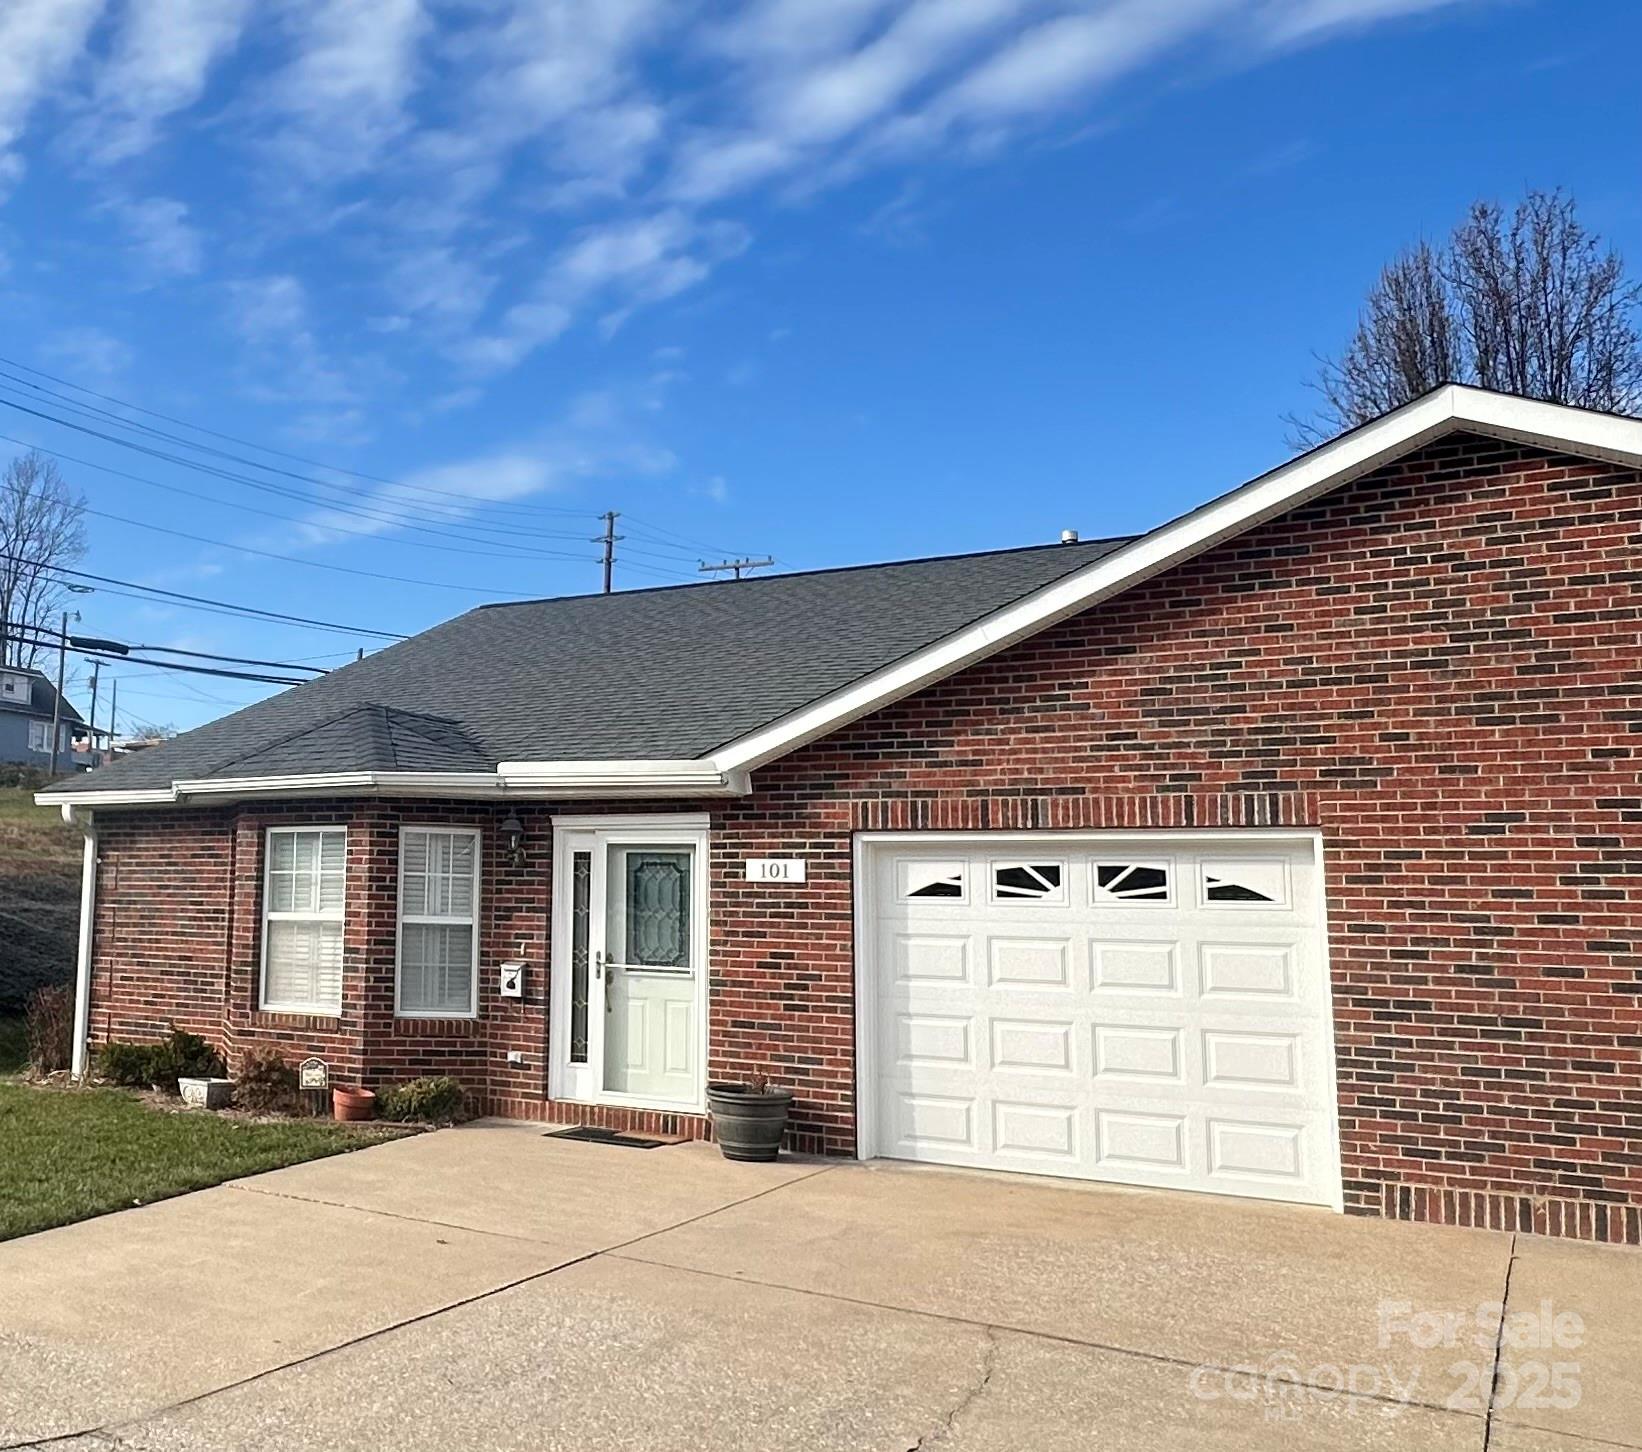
column 88, row 917
column 547, row 781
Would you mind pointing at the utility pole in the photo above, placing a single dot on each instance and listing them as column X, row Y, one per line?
column 608, row 540
column 57, row 704
column 737, row 565
column 94, row 670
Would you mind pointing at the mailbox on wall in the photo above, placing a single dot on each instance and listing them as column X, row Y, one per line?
column 512, row 980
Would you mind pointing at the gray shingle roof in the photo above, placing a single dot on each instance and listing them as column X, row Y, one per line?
column 670, row 673
column 42, row 694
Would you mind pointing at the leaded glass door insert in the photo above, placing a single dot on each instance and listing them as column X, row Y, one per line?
column 649, row 971
column 581, row 951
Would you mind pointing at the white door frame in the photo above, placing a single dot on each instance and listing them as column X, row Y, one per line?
column 866, row 994
column 659, row 829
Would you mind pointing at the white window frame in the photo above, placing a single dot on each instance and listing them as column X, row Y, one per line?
column 313, row 1010
column 42, row 731
column 399, row 919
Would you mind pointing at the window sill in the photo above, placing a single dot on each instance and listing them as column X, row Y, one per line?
column 425, row 1025
column 323, row 1020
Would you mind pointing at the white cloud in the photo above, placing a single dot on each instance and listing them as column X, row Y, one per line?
column 161, row 57
column 443, row 144
column 270, row 309
column 165, row 242
column 1295, row 20
column 623, row 265
column 1071, row 55
column 88, row 352
column 342, row 98
column 39, row 41
column 595, row 437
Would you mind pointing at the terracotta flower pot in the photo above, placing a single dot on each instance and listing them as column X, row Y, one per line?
column 353, row 1103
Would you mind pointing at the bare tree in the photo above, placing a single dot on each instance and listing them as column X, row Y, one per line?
column 1531, row 304
column 41, row 532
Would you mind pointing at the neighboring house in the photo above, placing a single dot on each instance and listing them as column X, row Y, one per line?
column 1293, row 849
column 26, row 700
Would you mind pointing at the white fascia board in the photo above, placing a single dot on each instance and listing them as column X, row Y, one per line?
column 628, row 776
column 1446, row 410
column 526, row 780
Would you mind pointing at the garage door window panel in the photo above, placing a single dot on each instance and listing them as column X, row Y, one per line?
column 1256, row 884
column 1130, row 883
column 1028, row 882
column 944, row 881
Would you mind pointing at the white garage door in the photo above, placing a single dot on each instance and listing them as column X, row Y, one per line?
column 1152, row 1010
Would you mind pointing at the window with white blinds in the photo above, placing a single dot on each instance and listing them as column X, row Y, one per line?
column 438, row 922
column 302, row 920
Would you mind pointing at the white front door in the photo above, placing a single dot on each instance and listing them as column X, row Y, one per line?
column 1150, row 1009
column 628, row 1008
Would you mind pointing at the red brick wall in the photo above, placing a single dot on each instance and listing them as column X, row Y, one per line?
column 1441, row 667
column 1438, row 666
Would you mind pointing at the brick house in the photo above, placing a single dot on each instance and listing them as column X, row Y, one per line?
column 1287, row 850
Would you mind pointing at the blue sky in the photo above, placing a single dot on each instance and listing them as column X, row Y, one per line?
column 831, row 280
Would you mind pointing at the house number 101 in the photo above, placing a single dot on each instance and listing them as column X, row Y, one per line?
column 775, row 869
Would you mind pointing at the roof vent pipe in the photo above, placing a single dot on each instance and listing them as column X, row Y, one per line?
column 1068, row 536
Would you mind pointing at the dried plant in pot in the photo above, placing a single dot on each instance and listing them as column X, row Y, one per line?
column 749, row 1117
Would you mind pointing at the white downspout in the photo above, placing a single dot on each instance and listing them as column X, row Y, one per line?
column 86, row 822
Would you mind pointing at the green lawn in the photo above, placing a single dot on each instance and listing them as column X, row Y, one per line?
column 72, row 1154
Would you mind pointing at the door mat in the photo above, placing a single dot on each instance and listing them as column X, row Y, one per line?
column 593, row 1134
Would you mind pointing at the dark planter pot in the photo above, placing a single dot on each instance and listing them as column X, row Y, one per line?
column 748, row 1126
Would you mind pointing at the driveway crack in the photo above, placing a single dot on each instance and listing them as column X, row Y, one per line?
column 943, row 1429
column 1499, row 1347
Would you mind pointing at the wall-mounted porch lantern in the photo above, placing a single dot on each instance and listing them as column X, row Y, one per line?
column 513, row 840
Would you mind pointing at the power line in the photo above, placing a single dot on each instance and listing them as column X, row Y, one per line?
column 223, row 544
column 385, row 516
column 206, row 602
column 649, row 528
column 118, row 659
column 392, row 523
column 262, row 448
column 84, row 645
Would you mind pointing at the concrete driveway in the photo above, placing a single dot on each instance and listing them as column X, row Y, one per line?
column 490, row 1288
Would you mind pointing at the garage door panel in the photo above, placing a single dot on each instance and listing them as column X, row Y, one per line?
column 1265, row 1153
column 931, row 958
column 1033, row 1046
column 1039, row 964
column 1128, row 1141
column 935, row 1121
column 1137, row 1053
column 1109, row 1009
column 1242, row 1060
column 936, row 1039
column 1136, row 966
column 1046, row 1133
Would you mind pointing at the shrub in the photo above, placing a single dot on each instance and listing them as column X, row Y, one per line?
column 436, row 1100
column 49, row 1026
column 133, row 1065
column 138, row 1066
column 265, row 1084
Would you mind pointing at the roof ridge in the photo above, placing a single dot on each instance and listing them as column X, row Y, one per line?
column 1111, row 539
column 306, row 730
